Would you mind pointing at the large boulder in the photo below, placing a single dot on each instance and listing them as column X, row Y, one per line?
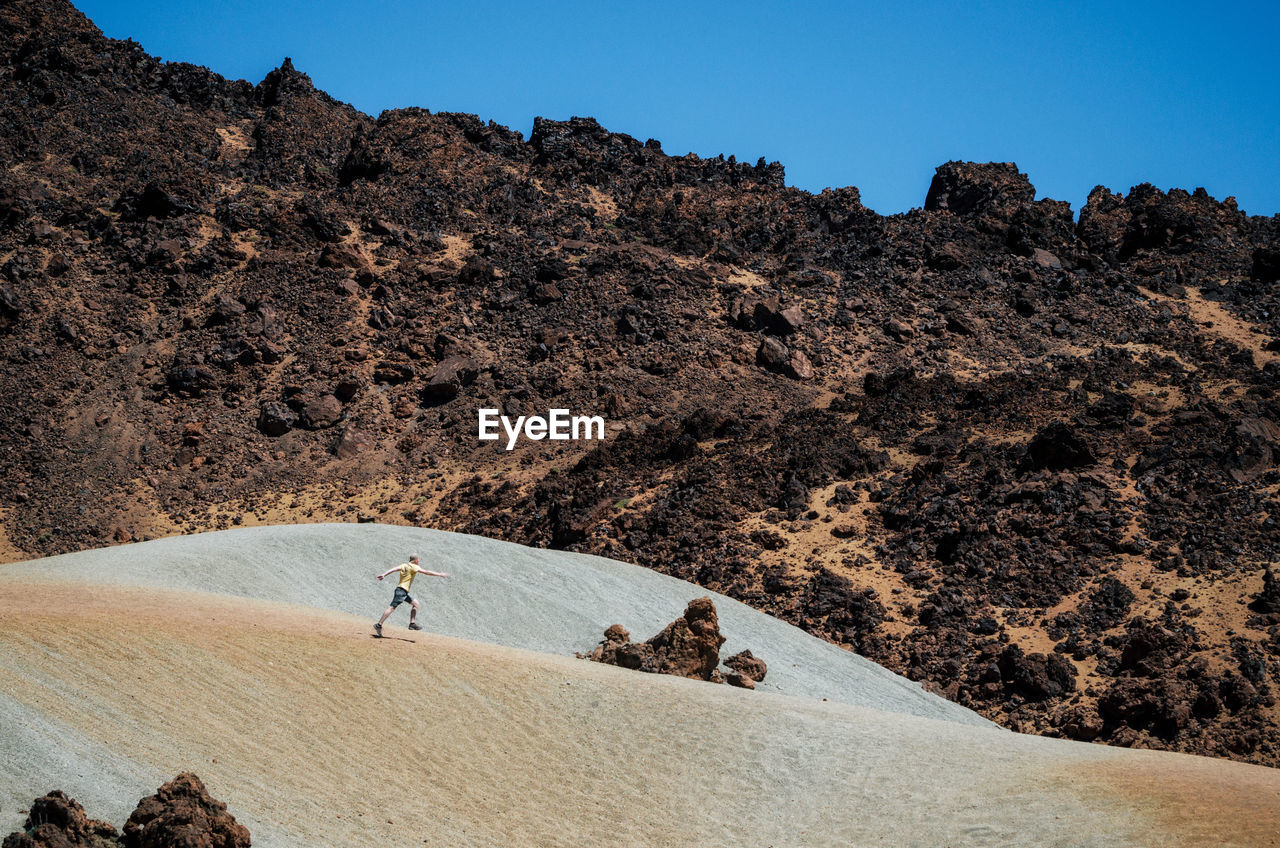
column 393, row 372
column 765, row 313
column 1180, row 221
column 1103, row 222
column 449, row 376
column 775, row 356
column 320, row 412
column 1211, row 236
column 798, row 366
column 182, row 815
column 687, row 647
column 56, row 821
column 344, row 257
column 1036, row 676
column 690, row 645
column 10, row 305
column 1057, row 447
column 1266, row 265
column 1162, row 706
column 998, row 189
column 190, row 377
column 1252, row 448
column 275, row 418
column 153, row 201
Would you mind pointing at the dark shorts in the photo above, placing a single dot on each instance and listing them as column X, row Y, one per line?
column 400, row 597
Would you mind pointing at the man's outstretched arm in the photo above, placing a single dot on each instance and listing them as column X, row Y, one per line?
column 388, row 571
column 433, row 573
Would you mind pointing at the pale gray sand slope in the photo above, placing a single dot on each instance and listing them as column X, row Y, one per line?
column 500, row 593
column 316, row 734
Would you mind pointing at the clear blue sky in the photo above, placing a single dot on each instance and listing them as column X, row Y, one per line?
column 875, row 95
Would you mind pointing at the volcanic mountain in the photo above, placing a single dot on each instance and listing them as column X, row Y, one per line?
column 1023, row 456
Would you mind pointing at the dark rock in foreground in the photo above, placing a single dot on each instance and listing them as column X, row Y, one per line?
column 56, row 821
column 180, row 815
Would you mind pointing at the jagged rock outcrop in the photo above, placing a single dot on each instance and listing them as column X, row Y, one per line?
column 687, row 647
column 180, row 815
column 56, row 821
column 997, row 189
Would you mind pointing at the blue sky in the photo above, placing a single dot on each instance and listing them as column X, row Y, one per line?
column 875, row 95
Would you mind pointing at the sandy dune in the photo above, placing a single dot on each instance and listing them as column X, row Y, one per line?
column 500, row 593
column 316, row 734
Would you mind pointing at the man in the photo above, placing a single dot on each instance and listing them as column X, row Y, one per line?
column 408, row 571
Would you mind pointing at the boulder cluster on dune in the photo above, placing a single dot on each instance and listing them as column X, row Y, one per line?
column 181, row 814
column 687, row 647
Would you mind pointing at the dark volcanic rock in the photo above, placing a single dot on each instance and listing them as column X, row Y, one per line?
column 276, row 418
column 1266, row 265
column 181, row 813
column 1268, row 598
column 56, row 821
column 996, row 188
column 393, row 373
column 153, row 201
column 773, row 354
column 342, row 256
column 10, row 306
column 191, row 379
column 449, row 376
column 1107, row 605
column 798, row 366
column 1036, row 675
column 1058, row 447
column 1103, row 222
column 687, row 647
column 320, row 412
column 767, row 315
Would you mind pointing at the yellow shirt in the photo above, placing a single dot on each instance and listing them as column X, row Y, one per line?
column 408, row 571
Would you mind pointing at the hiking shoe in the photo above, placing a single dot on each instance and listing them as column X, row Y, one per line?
column 413, row 625
column 377, row 628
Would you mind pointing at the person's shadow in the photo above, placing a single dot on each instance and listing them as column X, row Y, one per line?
column 398, row 638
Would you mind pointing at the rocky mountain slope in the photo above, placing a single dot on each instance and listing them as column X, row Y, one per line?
column 1027, row 459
